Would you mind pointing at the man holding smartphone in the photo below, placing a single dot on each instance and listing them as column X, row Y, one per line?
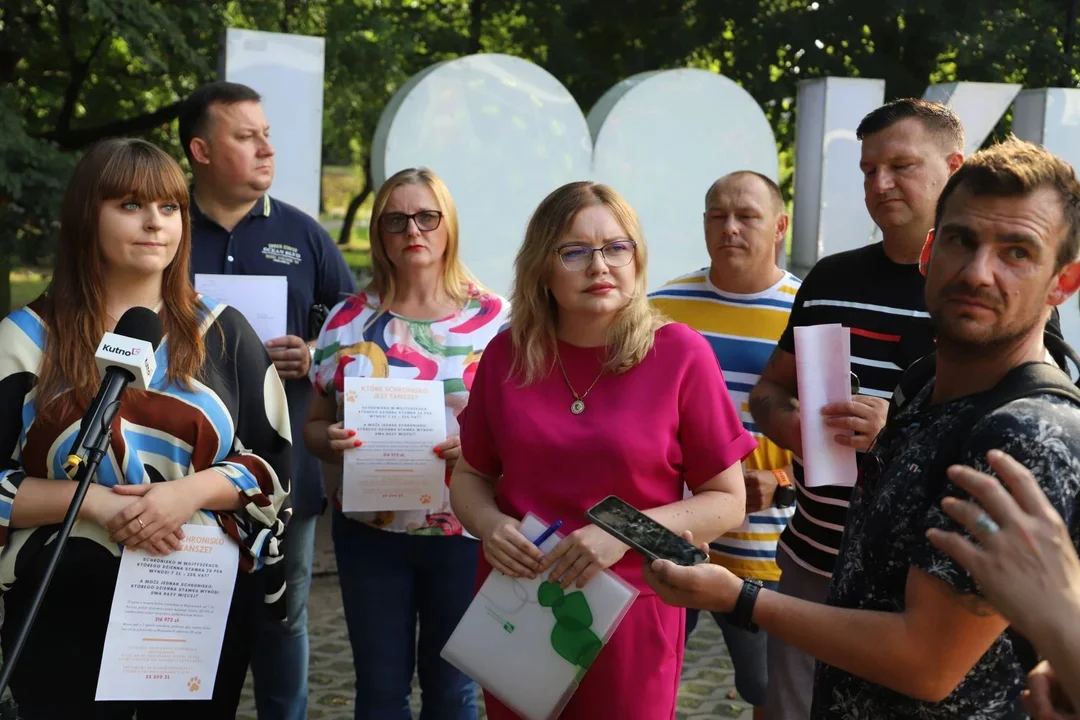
column 741, row 303
column 905, row 631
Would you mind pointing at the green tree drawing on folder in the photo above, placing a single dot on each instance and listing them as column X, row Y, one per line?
column 572, row 637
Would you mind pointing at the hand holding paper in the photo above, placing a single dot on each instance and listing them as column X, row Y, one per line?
column 864, row 416
column 823, row 362
column 399, row 423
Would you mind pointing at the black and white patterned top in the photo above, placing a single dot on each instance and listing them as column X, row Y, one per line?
column 882, row 304
column 897, row 500
column 233, row 419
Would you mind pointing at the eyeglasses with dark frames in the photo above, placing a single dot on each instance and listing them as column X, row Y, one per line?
column 576, row 257
column 395, row 222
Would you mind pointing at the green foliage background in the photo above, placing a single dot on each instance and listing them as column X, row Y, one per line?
column 74, row 71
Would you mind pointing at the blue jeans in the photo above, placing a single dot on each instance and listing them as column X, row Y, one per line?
column 748, row 654
column 387, row 581
column 279, row 655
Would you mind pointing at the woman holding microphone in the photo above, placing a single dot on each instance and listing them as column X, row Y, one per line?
column 592, row 393
column 421, row 318
column 205, row 444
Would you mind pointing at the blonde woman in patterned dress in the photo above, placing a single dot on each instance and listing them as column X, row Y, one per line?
column 423, row 318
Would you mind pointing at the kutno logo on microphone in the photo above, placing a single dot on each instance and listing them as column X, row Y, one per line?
column 121, row 351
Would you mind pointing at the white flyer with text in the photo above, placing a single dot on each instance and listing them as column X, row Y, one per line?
column 399, row 422
column 167, row 621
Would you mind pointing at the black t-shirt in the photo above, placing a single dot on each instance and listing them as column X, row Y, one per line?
column 882, row 303
column 898, row 498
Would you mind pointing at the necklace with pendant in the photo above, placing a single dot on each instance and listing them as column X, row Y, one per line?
column 578, row 406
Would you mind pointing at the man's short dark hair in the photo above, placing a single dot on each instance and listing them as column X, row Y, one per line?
column 195, row 114
column 774, row 189
column 935, row 117
column 1015, row 168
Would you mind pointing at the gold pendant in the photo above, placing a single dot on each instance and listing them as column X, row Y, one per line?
column 577, row 407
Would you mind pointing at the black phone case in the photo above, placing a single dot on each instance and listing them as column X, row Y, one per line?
column 316, row 319
column 701, row 555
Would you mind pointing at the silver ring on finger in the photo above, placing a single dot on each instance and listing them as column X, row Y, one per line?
column 986, row 524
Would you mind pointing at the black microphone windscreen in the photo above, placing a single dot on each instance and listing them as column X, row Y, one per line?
column 140, row 323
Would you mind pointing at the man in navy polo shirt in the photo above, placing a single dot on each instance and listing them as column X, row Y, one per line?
column 237, row 228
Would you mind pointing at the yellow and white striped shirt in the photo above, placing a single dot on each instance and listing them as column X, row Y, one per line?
column 743, row 331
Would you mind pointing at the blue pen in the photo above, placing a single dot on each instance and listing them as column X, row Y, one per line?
column 547, row 533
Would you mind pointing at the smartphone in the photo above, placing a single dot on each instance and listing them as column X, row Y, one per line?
column 642, row 533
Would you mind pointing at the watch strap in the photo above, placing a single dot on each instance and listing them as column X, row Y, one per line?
column 743, row 614
column 784, row 496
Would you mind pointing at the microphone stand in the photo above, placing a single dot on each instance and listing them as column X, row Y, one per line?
column 84, row 473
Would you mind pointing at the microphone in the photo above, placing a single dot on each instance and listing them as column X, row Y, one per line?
column 124, row 357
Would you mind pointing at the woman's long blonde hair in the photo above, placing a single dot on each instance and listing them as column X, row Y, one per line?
column 457, row 280
column 533, row 312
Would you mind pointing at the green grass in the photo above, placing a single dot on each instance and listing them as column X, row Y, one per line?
column 25, row 286
column 357, row 253
column 340, row 184
column 359, row 238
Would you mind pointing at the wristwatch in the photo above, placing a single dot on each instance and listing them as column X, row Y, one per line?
column 743, row 615
column 784, row 497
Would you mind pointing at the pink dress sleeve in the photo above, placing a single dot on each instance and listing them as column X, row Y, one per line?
column 710, row 431
column 475, row 421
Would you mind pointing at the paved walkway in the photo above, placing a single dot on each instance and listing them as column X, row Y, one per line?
column 707, row 683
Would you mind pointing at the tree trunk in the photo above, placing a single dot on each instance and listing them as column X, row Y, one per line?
column 81, row 137
column 1070, row 25
column 286, row 13
column 476, row 10
column 5, row 282
column 354, row 205
column 1067, row 42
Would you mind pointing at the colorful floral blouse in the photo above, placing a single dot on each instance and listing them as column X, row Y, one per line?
column 447, row 349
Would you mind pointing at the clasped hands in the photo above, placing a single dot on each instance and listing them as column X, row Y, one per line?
column 148, row 516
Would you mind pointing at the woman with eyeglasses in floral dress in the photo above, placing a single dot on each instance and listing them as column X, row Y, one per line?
column 422, row 317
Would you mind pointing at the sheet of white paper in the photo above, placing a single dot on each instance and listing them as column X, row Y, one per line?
column 506, row 641
column 399, row 423
column 168, row 618
column 262, row 299
column 823, row 363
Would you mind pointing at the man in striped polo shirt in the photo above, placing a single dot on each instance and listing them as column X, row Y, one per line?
column 741, row 303
column 910, row 148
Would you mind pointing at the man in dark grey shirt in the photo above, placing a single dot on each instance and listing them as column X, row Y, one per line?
column 905, row 631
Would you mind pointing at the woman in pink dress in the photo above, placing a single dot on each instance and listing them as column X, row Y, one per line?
column 592, row 393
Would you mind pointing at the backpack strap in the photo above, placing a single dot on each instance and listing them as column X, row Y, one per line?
column 1061, row 351
column 1033, row 378
column 914, row 379
column 1027, row 380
